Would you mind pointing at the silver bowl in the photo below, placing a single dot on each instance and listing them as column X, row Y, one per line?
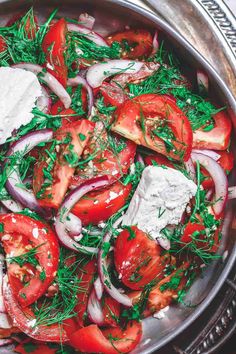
column 111, row 16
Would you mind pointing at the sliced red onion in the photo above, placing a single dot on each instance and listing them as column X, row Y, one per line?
column 93, row 36
column 202, row 80
column 219, row 177
column 213, row 154
column 5, row 321
column 100, row 71
column 210, row 194
column 190, row 169
column 163, row 241
column 23, row 146
column 71, row 199
column 12, row 205
column 5, row 341
column 155, row 43
column 44, row 102
column 73, row 225
column 98, row 287
column 140, row 159
column 2, row 306
column 86, row 20
column 94, row 309
column 80, row 80
column 49, row 79
column 10, row 349
column 232, row 192
column 105, row 278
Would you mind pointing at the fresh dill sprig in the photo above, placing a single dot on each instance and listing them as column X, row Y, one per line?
column 28, row 257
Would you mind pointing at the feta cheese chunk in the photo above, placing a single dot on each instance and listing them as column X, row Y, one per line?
column 159, row 200
column 19, row 90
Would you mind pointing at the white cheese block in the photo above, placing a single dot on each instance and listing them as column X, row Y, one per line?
column 19, row 90
column 159, row 200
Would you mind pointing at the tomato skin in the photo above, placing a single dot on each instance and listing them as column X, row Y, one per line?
column 189, row 230
column 25, row 227
column 98, row 206
column 140, row 42
column 137, row 259
column 91, row 339
column 131, row 122
column 111, row 311
column 53, row 45
column 216, row 139
column 160, row 159
column 3, row 45
column 86, row 275
column 62, row 172
column 112, row 93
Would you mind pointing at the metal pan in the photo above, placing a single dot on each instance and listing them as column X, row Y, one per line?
column 113, row 15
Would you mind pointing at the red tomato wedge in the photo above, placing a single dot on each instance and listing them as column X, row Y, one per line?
column 134, row 43
column 20, row 235
column 54, row 44
column 112, row 93
column 156, row 122
column 74, row 138
column 3, row 45
column 91, row 339
column 100, row 205
column 86, row 275
column 218, row 138
column 190, row 229
column 111, row 311
column 137, row 258
column 34, row 348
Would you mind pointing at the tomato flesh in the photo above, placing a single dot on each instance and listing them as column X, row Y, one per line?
column 159, row 159
column 137, row 258
column 111, row 311
column 54, row 44
column 156, row 122
column 113, row 94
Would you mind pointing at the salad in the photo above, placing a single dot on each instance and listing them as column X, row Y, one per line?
column 114, row 164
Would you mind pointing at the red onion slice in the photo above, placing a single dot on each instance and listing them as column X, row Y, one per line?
column 219, row 177
column 232, row 192
column 86, row 20
column 202, row 80
column 80, row 80
column 23, row 146
column 2, row 306
column 93, row 36
column 73, row 225
column 98, row 287
column 49, row 79
column 5, row 341
column 100, row 71
column 12, row 205
column 190, row 169
column 71, row 199
column 213, row 154
column 94, row 309
column 155, row 43
column 140, row 159
column 44, row 102
column 105, row 278
column 10, row 349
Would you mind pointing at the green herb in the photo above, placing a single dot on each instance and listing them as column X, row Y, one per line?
column 28, row 257
column 161, row 212
column 1, row 227
column 131, row 232
column 42, row 275
column 82, row 136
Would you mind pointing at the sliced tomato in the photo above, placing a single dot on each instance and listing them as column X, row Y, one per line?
column 156, row 122
column 159, row 159
column 53, row 45
column 86, row 275
column 111, row 311
column 100, row 205
column 190, row 229
column 106, row 160
column 3, row 45
column 112, row 93
column 35, row 348
column 66, row 121
column 24, row 317
column 74, row 138
column 91, row 339
column 226, row 161
column 216, row 139
column 23, row 234
column 137, row 258
column 167, row 289
column 134, row 43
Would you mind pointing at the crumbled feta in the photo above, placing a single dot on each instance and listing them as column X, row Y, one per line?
column 19, row 90
column 35, row 232
column 159, row 200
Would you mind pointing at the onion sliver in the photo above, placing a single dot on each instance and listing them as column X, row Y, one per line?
column 71, row 199
column 219, row 177
column 213, row 154
column 232, row 192
column 190, row 169
column 94, row 309
column 91, row 35
column 80, row 80
column 49, row 79
column 155, row 43
column 98, row 287
column 2, row 306
column 14, row 183
column 44, row 102
column 99, row 72
column 10, row 349
column 202, row 80
column 105, row 278
column 5, row 341
column 87, row 20
column 73, row 225
column 12, row 205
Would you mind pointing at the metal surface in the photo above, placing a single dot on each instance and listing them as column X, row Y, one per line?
column 114, row 15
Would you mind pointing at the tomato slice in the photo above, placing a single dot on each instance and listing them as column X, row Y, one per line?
column 100, row 205
column 91, row 339
column 35, row 348
column 74, row 138
column 156, row 122
column 111, row 311
column 113, row 94
column 3, row 45
column 25, row 320
column 137, row 258
column 159, row 159
column 54, row 44
column 86, row 275
column 218, row 138
column 189, row 230
column 134, row 43
column 22, row 230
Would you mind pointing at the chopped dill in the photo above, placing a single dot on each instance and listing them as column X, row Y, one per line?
column 28, row 257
